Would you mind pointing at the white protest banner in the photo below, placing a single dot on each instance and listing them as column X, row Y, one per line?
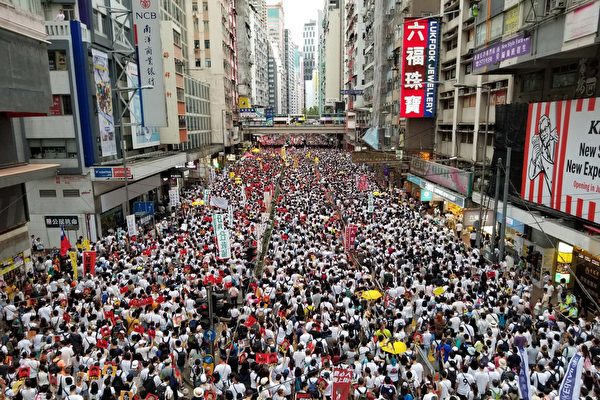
column 131, row 227
column 223, row 244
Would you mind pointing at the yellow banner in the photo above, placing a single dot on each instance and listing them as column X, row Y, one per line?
column 73, row 257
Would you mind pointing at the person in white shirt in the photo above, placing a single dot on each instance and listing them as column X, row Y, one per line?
column 465, row 383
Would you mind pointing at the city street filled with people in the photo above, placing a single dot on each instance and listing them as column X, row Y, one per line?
column 286, row 266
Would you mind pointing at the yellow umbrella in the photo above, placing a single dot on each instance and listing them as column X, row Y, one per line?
column 393, row 347
column 255, row 150
column 371, row 294
column 439, row 290
column 198, row 203
column 376, row 194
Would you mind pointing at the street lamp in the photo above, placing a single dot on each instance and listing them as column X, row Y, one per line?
column 487, row 120
column 123, row 144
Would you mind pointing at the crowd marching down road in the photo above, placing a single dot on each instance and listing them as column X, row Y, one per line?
column 322, row 286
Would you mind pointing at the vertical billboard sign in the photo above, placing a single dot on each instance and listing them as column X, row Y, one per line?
column 418, row 90
column 106, row 122
column 562, row 157
column 141, row 136
column 146, row 23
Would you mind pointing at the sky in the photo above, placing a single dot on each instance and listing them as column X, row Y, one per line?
column 297, row 13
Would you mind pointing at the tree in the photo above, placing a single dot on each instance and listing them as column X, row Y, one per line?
column 312, row 111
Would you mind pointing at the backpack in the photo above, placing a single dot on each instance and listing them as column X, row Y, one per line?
column 181, row 358
column 387, row 391
column 313, row 389
column 161, row 391
column 362, row 395
column 501, row 321
column 149, row 384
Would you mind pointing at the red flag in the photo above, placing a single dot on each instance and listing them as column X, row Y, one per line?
column 65, row 245
column 250, row 322
column 89, row 262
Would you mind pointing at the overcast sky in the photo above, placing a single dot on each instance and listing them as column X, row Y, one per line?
column 297, row 13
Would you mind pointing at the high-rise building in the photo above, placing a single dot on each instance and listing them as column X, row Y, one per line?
column 276, row 23
column 310, row 48
column 216, row 61
column 331, row 49
column 25, row 88
column 291, row 73
column 260, row 6
column 276, row 78
column 91, row 136
column 259, row 53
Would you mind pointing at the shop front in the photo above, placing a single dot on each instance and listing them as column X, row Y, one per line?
column 439, row 198
column 14, row 270
column 587, row 268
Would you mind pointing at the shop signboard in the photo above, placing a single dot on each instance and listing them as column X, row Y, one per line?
column 111, row 173
column 562, row 157
column 501, row 51
column 426, row 195
column 582, row 21
column 471, row 216
column 420, row 49
column 141, row 135
column 68, row 222
column 452, row 178
column 143, row 207
column 146, row 23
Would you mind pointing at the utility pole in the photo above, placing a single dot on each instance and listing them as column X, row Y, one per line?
column 209, row 291
column 495, row 216
column 481, row 186
column 124, row 150
column 505, row 203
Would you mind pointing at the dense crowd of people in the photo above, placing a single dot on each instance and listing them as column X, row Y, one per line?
column 404, row 304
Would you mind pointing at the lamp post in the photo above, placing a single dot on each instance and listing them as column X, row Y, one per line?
column 123, row 143
column 487, row 120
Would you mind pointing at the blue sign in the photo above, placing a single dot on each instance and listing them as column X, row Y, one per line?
column 104, row 172
column 431, row 67
column 143, row 207
column 426, row 195
column 210, row 335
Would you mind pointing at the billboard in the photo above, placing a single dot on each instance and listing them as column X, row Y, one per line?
column 501, row 51
column 106, row 122
column 562, row 157
column 418, row 92
column 146, row 23
column 141, row 136
column 452, row 178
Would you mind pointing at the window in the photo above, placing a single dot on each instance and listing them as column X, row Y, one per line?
column 450, row 74
column 71, row 193
column 480, row 33
column 52, row 148
column 14, row 211
column 198, row 62
column 468, row 68
column 207, row 44
column 69, row 12
column 61, row 105
column 177, row 38
column 204, row 6
column 205, row 26
column 466, row 137
column 564, row 76
column 57, row 60
column 452, row 44
column 207, row 62
column 470, row 101
column 496, row 26
column 47, row 193
column 196, row 44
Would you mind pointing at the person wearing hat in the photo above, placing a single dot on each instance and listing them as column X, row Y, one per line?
column 198, row 394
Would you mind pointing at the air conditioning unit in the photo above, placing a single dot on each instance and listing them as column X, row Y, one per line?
column 557, row 5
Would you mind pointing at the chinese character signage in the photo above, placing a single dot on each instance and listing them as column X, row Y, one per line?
column 350, row 237
column 218, row 224
column 230, row 215
column 141, row 136
column 206, row 196
column 146, row 22
column 173, row 197
column 371, row 203
column 106, row 123
column 498, row 52
column 342, row 379
column 131, row 227
column 418, row 91
column 67, row 222
column 224, row 245
column 561, row 165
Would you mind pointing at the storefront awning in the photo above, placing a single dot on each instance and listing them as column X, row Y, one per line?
column 24, row 173
column 438, row 190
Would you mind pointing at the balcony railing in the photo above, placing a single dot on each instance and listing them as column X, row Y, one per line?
column 61, row 30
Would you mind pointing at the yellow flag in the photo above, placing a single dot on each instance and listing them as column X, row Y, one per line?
column 316, row 160
column 86, row 245
column 73, row 257
column 283, row 155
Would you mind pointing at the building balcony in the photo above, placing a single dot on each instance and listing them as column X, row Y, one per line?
column 61, row 30
column 24, row 17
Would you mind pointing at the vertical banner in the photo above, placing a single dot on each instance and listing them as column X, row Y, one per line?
column 230, row 215
column 342, row 379
column 173, row 197
column 146, row 23
column 224, row 244
column 141, row 136
column 89, row 262
column 106, row 122
column 371, row 204
column 363, row 183
column 571, row 383
column 131, row 227
column 524, row 382
column 243, row 194
column 218, row 225
column 86, row 244
column 419, row 67
column 350, row 237
column 73, row 258
column 206, row 197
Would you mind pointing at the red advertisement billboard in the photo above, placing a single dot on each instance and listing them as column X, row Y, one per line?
column 419, row 68
column 562, row 157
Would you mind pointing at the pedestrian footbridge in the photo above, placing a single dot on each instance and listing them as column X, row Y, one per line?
column 331, row 130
